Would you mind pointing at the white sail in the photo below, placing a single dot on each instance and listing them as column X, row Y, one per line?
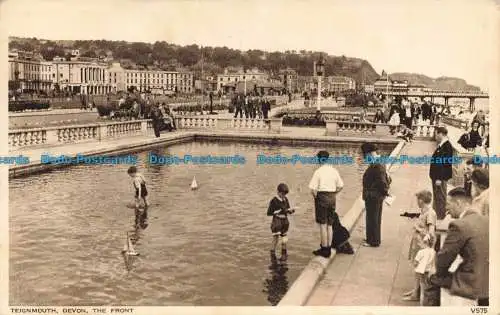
column 194, row 184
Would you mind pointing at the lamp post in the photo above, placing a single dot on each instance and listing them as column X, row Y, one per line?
column 320, row 68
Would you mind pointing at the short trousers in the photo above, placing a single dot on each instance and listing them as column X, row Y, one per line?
column 144, row 192
column 279, row 226
column 325, row 207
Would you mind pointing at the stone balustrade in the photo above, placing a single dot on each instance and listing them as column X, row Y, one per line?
column 51, row 136
column 369, row 129
column 272, row 125
column 75, row 133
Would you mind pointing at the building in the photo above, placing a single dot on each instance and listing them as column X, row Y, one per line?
column 415, row 88
column 369, row 88
column 250, row 75
column 117, row 77
column 383, row 84
column 339, row 84
column 208, row 84
column 85, row 76
column 155, row 81
column 28, row 72
column 289, row 79
column 400, row 87
column 185, row 82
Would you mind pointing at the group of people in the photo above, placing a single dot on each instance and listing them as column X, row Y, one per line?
column 251, row 106
column 466, row 209
column 467, row 242
column 162, row 118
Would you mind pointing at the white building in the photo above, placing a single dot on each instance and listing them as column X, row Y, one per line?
column 251, row 75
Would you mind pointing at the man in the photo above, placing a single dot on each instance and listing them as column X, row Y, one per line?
column 376, row 183
column 325, row 184
column 238, row 104
column 440, row 171
column 468, row 236
column 480, row 191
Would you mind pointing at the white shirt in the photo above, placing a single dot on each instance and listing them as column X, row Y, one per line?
column 326, row 178
column 408, row 112
column 426, row 258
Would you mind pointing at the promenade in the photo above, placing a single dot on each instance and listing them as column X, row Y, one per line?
column 379, row 276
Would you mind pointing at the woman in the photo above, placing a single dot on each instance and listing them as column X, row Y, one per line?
column 472, row 139
column 379, row 117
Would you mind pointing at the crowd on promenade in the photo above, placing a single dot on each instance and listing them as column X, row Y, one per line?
column 251, row 106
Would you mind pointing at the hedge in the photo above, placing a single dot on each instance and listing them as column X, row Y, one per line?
column 18, row 106
column 306, row 121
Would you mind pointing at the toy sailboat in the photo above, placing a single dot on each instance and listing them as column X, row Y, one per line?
column 194, row 184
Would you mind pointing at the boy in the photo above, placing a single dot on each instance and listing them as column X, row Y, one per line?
column 423, row 230
column 279, row 208
column 141, row 192
column 425, row 261
column 405, row 133
column 470, row 166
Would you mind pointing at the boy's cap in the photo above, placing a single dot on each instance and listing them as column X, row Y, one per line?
column 132, row 170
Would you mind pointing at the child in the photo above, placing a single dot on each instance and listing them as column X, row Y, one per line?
column 394, row 122
column 405, row 133
column 425, row 261
column 424, row 228
column 470, row 166
column 141, row 192
column 279, row 208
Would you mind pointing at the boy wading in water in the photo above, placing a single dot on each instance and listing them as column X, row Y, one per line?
column 279, row 208
column 141, row 192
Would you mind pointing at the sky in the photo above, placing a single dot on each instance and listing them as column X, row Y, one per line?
column 436, row 38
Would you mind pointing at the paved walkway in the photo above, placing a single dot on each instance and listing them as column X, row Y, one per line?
column 379, row 276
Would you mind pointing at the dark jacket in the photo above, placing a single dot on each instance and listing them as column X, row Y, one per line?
column 440, row 170
column 470, row 140
column 376, row 182
column 469, row 238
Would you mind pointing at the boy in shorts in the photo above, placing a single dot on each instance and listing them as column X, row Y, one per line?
column 141, row 192
column 279, row 209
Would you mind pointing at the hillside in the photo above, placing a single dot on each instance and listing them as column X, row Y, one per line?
column 441, row 83
column 170, row 56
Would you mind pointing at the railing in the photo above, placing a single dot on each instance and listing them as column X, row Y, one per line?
column 74, row 134
column 51, row 136
column 273, row 124
column 355, row 128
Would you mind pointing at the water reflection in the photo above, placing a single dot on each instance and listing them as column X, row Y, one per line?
column 276, row 285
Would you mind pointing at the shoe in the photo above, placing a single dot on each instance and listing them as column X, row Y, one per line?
column 412, row 292
column 366, row 244
column 284, row 254
column 411, row 298
column 345, row 249
column 325, row 252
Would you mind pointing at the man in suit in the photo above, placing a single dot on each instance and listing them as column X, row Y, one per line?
column 376, row 183
column 468, row 236
column 440, row 171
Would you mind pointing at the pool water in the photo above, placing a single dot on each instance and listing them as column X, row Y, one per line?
column 204, row 247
